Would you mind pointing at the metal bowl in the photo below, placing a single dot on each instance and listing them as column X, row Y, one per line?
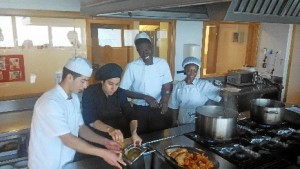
column 132, row 154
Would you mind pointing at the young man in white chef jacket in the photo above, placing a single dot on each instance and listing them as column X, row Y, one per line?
column 57, row 122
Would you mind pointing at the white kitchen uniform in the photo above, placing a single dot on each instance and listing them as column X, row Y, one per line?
column 187, row 97
column 146, row 79
column 54, row 115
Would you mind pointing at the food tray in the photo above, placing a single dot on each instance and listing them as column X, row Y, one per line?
column 9, row 150
column 190, row 150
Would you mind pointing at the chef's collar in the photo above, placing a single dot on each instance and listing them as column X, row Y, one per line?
column 63, row 93
column 193, row 82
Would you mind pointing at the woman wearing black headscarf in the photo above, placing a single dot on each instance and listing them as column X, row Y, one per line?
column 106, row 108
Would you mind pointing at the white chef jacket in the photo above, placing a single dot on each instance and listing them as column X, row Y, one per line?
column 54, row 115
column 146, row 79
column 187, row 97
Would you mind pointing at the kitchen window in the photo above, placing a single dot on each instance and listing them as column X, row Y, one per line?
column 6, row 32
column 109, row 37
column 66, row 36
column 31, row 35
column 45, row 44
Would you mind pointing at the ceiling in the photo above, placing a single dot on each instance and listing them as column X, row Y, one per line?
column 274, row 11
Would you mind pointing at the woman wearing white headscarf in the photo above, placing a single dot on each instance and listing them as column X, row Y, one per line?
column 191, row 93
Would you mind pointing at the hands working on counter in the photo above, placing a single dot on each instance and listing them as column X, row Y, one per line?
column 110, row 155
column 113, row 151
column 117, row 136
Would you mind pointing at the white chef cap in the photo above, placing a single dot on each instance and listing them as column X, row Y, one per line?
column 80, row 65
column 142, row 35
column 191, row 60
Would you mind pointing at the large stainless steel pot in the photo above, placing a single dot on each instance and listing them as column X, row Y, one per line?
column 267, row 111
column 216, row 122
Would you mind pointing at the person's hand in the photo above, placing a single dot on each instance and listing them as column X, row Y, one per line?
column 151, row 101
column 164, row 107
column 136, row 140
column 116, row 135
column 112, row 145
column 113, row 159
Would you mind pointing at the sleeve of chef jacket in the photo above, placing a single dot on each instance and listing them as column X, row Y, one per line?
column 167, row 73
column 127, row 78
column 89, row 108
column 212, row 92
column 128, row 111
column 174, row 99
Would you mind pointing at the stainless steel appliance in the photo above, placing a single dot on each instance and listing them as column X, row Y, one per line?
column 13, row 149
column 267, row 111
column 258, row 145
column 241, row 77
column 216, row 122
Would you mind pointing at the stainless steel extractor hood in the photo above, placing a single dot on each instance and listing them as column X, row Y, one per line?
column 277, row 11
column 160, row 9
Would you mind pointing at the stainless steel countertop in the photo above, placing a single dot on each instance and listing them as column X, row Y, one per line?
column 255, row 89
column 96, row 162
column 89, row 163
column 15, row 122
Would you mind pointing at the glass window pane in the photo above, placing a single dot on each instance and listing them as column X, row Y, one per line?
column 129, row 36
column 6, row 32
column 66, row 36
column 109, row 37
column 28, row 33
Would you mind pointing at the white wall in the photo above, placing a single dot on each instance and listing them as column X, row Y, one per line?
column 187, row 32
column 293, row 90
column 273, row 36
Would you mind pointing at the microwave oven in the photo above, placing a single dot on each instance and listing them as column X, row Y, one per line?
column 241, row 77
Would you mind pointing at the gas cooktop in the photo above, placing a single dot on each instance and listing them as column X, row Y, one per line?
column 258, row 146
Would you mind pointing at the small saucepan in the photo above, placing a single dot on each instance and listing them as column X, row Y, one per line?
column 133, row 156
column 267, row 111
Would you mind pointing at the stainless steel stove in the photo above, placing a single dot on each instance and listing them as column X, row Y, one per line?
column 258, row 146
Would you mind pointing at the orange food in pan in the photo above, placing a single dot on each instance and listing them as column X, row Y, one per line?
column 188, row 160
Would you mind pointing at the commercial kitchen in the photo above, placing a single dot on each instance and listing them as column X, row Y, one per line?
column 247, row 48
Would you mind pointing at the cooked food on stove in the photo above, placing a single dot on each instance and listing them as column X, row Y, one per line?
column 190, row 160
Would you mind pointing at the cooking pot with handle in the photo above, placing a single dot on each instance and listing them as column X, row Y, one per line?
column 216, row 122
column 267, row 111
